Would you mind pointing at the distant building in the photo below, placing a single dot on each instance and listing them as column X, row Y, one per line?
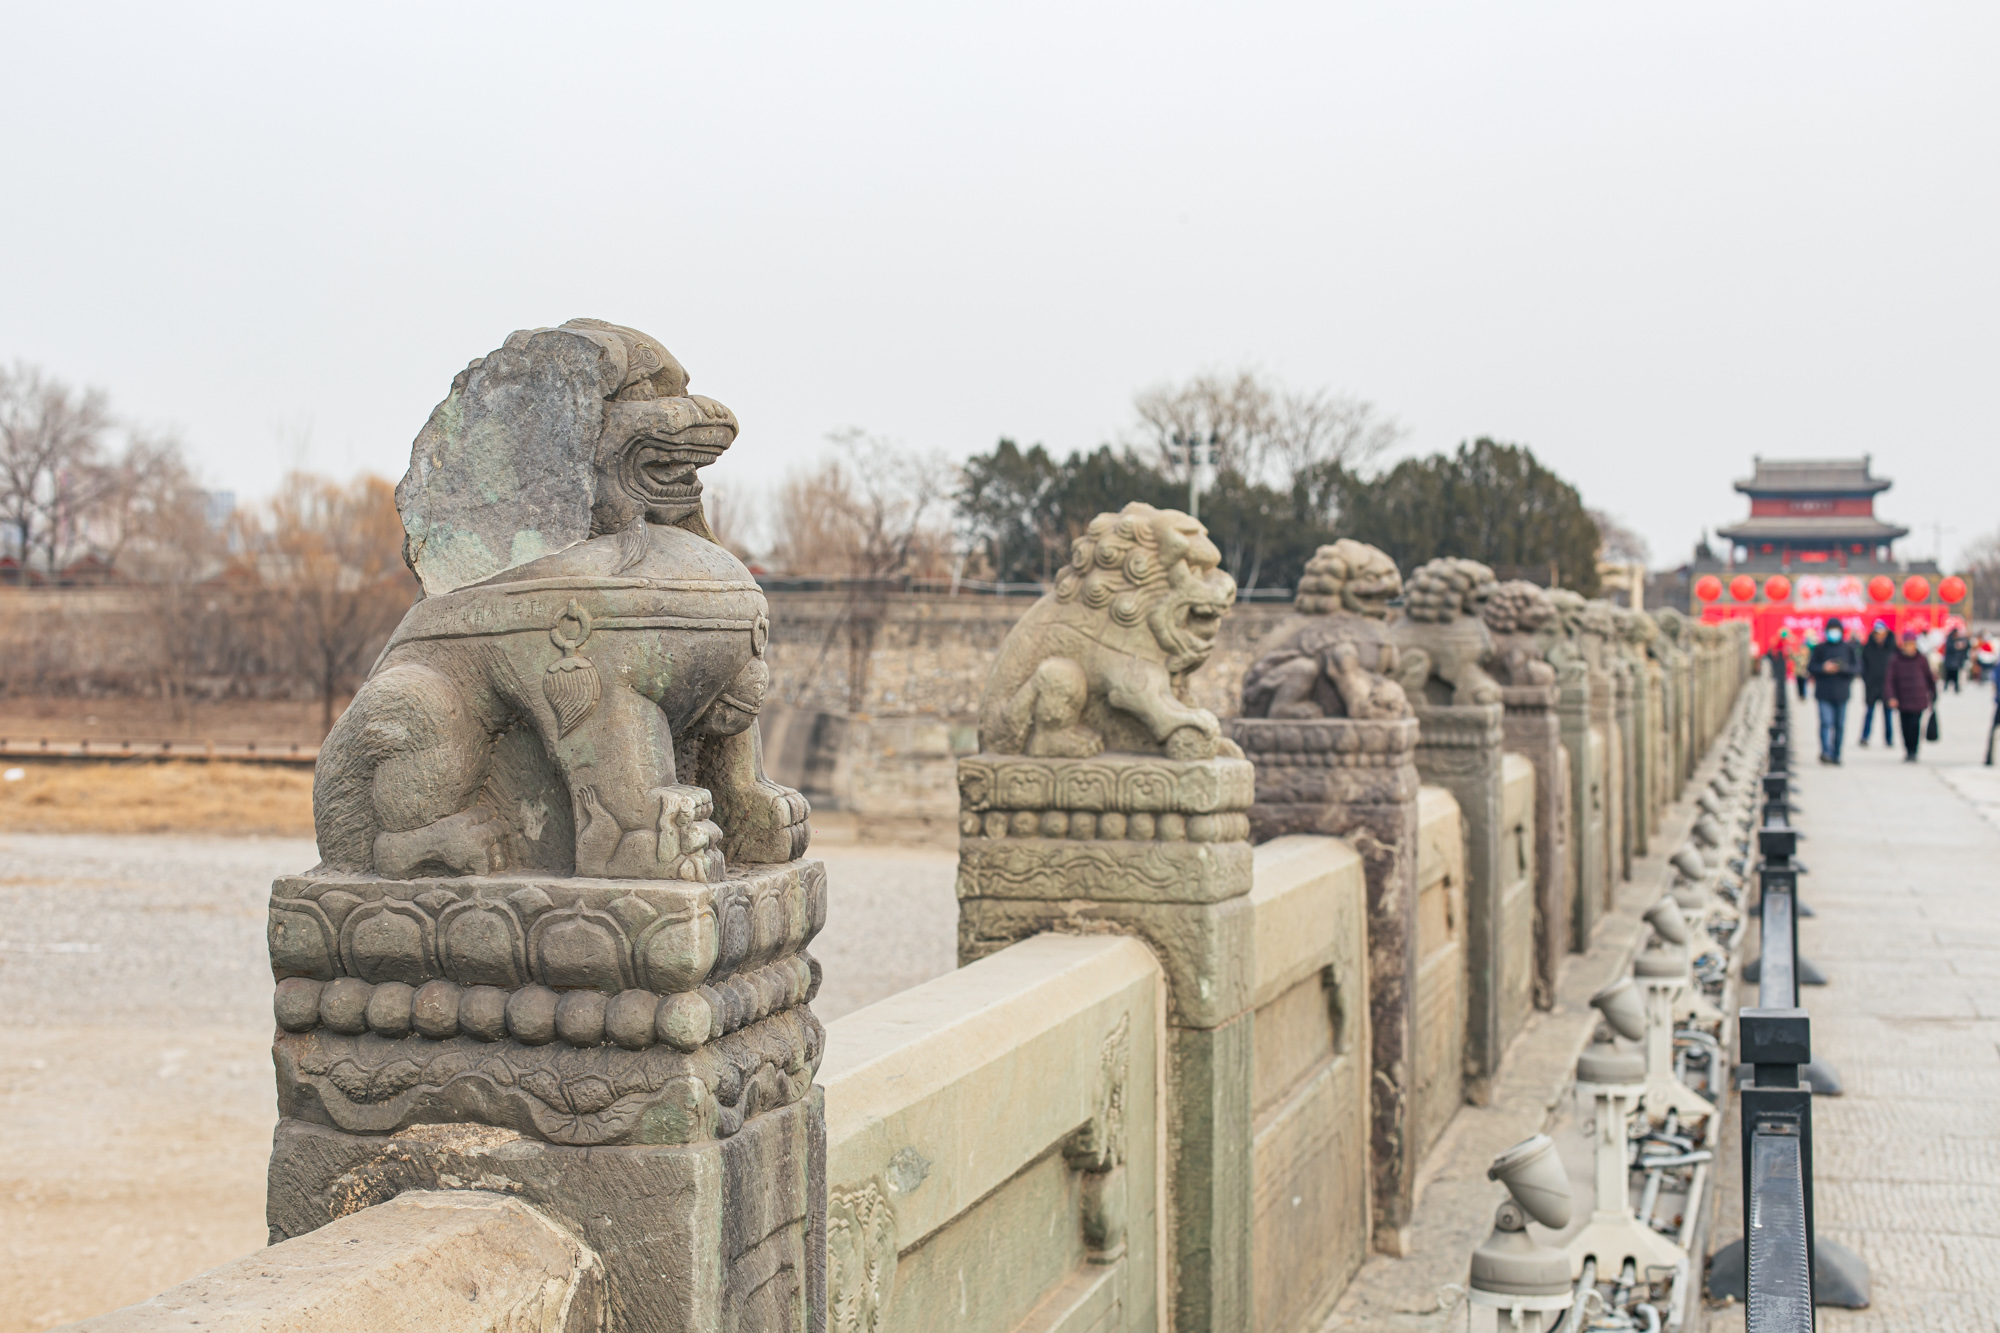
column 1815, row 513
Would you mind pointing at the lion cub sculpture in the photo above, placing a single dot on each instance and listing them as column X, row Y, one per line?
column 1102, row 662
column 1335, row 657
column 577, row 691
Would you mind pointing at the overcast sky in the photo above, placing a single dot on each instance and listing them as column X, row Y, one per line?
column 1648, row 241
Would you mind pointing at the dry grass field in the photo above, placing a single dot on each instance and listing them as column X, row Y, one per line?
column 273, row 722
column 127, row 796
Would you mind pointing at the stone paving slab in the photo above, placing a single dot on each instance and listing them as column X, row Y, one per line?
column 1906, row 861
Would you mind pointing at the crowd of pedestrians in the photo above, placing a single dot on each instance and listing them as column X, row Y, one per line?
column 1896, row 677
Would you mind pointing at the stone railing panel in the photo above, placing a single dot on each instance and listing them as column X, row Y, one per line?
column 1519, row 800
column 994, row 1146
column 1438, row 1076
column 462, row 1261
column 1310, row 1152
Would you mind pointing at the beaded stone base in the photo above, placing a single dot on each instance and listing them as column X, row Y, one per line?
column 575, row 1010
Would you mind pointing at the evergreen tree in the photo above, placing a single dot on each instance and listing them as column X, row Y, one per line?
column 1490, row 502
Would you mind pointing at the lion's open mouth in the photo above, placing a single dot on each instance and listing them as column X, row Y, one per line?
column 1204, row 620
column 662, row 474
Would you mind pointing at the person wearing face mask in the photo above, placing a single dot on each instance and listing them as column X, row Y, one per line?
column 1833, row 666
column 1875, row 655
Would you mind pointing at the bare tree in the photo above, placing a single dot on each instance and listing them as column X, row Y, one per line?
column 1982, row 572
column 732, row 520
column 327, row 559
column 1257, row 427
column 151, row 523
column 1618, row 542
column 50, row 462
column 867, row 512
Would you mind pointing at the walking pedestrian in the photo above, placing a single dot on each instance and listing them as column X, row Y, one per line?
column 1910, row 688
column 1832, row 665
column 1957, row 647
column 1875, row 655
column 1994, row 729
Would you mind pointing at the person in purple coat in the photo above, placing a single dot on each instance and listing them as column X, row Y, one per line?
column 1910, row 688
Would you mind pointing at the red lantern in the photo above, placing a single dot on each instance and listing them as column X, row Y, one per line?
column 1743, row 588
column 1916, row 588
column 1952, row 590
column 1777, row 587
column 1881, row 587
column 1708, row 587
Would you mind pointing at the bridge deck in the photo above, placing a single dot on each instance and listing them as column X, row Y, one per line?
column 1905, row 862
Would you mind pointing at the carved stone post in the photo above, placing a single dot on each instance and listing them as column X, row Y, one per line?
column 1102, row 801
column 555, row 946
column 1330, row 732
column 1158, row 849
column 1357, row 779
column 1526, row 623
column 1584, row 749
column 1533, row 728
column 1459, row 749
column 634, row 1059
column 1604, row 722
column 1626, row 695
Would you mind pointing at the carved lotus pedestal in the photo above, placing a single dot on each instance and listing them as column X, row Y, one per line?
column 568, row 1040
column 1159, row 849
column 1355, row 779
column 1533, row 728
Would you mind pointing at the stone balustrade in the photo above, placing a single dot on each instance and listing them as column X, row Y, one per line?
column 1223, row 983
column 452, row 1260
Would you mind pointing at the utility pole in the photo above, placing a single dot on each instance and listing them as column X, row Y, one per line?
column 1190, row 447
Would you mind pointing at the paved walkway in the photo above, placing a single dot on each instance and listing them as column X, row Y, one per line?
column 1905, row 862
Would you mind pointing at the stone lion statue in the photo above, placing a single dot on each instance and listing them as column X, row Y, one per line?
column 1443, row 639
column 1102, row 662
column 1561, row 637
column 1335, row 658
column 1598, row 632
column 1673, row 628
column 1637, row 631
column 1516, row 613
column 1349, row 576
column 578, row 689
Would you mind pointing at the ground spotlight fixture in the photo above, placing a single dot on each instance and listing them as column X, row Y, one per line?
column 1518, row 1283
column 1667, row 922
column 1623, row 1007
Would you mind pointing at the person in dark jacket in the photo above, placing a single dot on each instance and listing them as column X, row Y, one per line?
column 1957, row 647
column 1875, row 655
column 1833, row 665
column 1910, row 688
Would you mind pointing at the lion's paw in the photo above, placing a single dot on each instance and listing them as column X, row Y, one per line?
column 1190, row 743
column 1078, row 742
column 471, row 842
